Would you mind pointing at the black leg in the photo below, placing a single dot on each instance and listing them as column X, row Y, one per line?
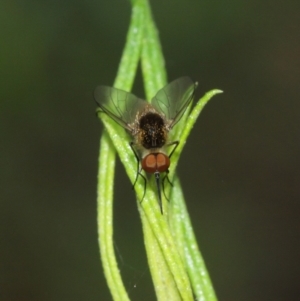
column 138, row 172
column 163, row 184
column 175, row 143
column 137, row 161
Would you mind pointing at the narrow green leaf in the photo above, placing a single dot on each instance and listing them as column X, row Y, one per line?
column 168, row 272
column 187, row 245
column 124, row 80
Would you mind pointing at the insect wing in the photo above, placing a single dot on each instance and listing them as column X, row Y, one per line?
column 174, row 98
column 120, row 105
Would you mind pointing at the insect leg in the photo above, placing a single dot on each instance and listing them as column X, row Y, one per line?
column 138, row 172
column 175, row 143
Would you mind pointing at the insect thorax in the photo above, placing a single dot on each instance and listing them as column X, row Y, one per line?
column 152, row 131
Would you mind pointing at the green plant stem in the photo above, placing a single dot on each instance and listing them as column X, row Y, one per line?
column 168, row 273
column 105, row 191
column 124, row 80
column 188, row 247
column 152, row 59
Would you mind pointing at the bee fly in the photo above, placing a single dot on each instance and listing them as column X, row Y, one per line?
column 149, row 124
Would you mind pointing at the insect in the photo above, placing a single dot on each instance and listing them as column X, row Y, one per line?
column 149, row 124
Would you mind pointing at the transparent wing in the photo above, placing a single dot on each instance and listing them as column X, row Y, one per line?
column 120, row 105
column 174, row 98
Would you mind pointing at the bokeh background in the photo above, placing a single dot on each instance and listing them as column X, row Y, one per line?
column 239, row 170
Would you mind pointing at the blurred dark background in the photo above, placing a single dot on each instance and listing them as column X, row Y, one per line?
column 239, row 170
